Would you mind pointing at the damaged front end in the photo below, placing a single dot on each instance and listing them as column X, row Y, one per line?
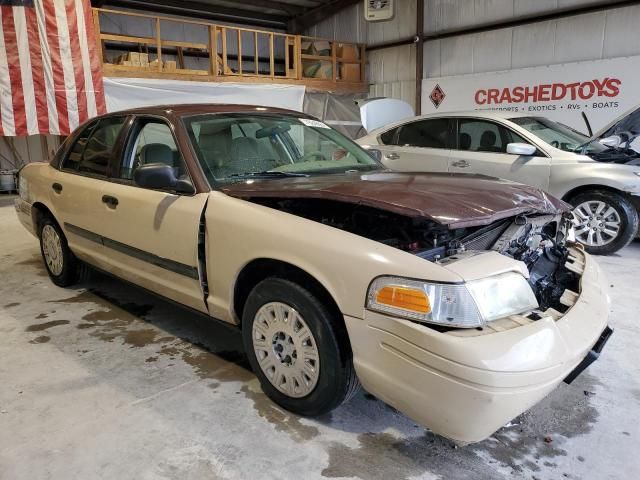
column 539, row 241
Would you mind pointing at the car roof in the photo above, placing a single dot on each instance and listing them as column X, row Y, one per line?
column 488, row 114
column 203, row 108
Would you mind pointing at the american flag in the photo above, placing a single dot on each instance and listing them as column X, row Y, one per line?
column 50, row 74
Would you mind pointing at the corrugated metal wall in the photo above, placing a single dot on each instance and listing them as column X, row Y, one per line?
column 34, row 148
column 604, row 34
column 443, row 15
column 391, row 71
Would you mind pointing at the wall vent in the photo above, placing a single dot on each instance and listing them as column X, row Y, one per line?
column 379, row 10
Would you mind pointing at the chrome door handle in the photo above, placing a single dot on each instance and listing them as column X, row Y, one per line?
column 392, row 156
column 461, row 164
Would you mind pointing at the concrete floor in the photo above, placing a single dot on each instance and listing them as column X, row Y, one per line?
column 104, row 381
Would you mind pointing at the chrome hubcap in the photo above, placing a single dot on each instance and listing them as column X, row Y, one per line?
column 286, row 349
column 52, row 249
column 596, row 223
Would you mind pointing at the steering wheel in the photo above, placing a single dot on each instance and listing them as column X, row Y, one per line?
column 317, row 155
column 555, row 144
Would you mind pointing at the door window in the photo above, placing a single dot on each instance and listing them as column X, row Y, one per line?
column 92, row 150
column 425, row 133
column 388, row 137
column 483, row 136
column 153, row 143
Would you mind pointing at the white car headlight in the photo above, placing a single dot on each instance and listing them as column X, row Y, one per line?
column 465, row 305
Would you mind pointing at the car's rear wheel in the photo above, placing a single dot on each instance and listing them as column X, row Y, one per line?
column 293, row 346
column 63, row 267
column 605, row 221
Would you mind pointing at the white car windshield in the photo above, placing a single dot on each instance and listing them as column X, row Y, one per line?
column 233, row 146
column 556, row 134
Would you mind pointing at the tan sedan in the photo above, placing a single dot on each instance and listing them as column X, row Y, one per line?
column 458, row 299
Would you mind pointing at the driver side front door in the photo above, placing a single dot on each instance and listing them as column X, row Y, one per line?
column 152, row 235
column 482, row 148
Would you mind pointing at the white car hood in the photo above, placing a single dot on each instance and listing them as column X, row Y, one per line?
column 380, row 112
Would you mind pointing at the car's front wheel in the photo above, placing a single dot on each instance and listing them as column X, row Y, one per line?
column 294, row 346
column 605, row 221
column 63, row 267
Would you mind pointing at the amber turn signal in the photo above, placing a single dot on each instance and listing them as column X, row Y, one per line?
column 403, row 297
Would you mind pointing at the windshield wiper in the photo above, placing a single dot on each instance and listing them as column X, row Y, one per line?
column 267, row 174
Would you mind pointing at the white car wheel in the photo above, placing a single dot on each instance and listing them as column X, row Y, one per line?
column 286, row 349
column 52, row 250
column 597, row 223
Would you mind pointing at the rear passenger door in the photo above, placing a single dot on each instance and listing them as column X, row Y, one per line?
column 481, row 147
column 76, row 187
column 419, row 146
column 152, row 235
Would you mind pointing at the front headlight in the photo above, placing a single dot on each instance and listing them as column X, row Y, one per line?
column 465, row 305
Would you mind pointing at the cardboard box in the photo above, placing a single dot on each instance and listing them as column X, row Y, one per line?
column 350, row 72
column 134, row 58
column 170, row 65
column 348, row 52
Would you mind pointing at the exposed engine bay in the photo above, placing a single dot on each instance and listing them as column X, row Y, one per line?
column 537, row 240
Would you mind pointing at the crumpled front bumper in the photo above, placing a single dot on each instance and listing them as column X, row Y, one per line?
column 467, row 387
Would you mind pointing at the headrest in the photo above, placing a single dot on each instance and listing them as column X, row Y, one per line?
column 488, row 139
column 156, row 153
column 244, row 147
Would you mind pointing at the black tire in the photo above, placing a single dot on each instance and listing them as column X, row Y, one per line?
column 628, row 218
column 72, row 269
column 337, row 381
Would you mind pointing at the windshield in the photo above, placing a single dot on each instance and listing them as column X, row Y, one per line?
column 556, row 134
column 232, row 146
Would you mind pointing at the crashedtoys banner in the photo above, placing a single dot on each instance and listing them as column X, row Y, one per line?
column 603, row 89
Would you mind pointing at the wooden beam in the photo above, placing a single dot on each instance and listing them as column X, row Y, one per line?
column 256, row 62
column 312, row 84
column 159, row 45
column 213, row 50
column 300, row 23
column 272, row 66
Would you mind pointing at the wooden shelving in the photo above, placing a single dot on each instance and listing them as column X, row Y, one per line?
column 232, row 54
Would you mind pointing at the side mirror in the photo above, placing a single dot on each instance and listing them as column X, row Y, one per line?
column 612, row 141
column 521, row 149
column 159, row 176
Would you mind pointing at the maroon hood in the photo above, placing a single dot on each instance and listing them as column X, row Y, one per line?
column 454, row 200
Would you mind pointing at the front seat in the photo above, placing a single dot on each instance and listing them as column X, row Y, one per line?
column 157, row 153
column 215, row 145
column 246, row 156
column 464, row 141
column 488, row 142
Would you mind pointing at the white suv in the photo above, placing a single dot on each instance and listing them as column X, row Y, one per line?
column 527, row 149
